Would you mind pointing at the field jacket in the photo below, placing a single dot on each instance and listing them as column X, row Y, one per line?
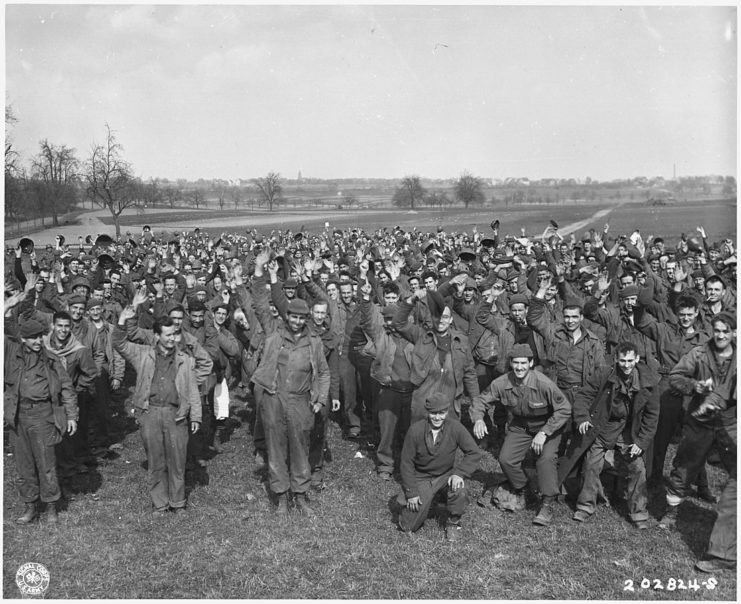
column 63, row 395
column 592, row 403
column 143, row 358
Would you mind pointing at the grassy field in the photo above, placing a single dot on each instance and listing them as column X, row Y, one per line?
column 229, row 545
column 718, row 218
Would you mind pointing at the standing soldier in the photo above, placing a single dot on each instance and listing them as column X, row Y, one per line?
column 40, row 405
column 165, row 400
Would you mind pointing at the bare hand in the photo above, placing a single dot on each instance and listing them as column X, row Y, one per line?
column 538, row 442
column 414, row 503
column 316, row 407
column 71, row 426
column 335, row 404
column 115, row 384
column 479, row 429
column 194, row 426
column 584, row 427
column 455, row 482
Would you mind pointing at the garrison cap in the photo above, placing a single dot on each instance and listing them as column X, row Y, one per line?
column 521, row 350
column 631, row 290
column 32, row 329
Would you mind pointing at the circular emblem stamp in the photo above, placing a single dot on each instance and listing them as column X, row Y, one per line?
column 32, row 579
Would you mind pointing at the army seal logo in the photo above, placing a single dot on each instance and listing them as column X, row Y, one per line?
column 32, row 579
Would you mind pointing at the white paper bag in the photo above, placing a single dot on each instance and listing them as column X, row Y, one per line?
column 221, row 400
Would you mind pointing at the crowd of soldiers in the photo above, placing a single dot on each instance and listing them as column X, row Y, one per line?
column 587, row 354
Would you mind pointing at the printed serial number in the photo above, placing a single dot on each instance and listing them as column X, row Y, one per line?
column 671, row 584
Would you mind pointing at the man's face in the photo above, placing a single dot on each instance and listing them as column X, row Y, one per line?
column 445, row 271
column 699, row 283
column 713, row 255
column 626, row 280
column 296, row 322
column 197, row 317
column 94, row 313
column 713, row 291
column 414, row 284
column 41, row 281
column 290, row 292
column 572, row 319
column 430, row 283
column 115, row 279
column 587, row 247
column 332, row 291
column 468, row 294
column 629, row 303
column 512, row 286
column 551, row 292
column 627, row 362
column 177, row 318
column 670, row 267
column 518, row 312
column 520, row 366
column 62, row 329
column 168, row 337
column 445, row 320
column 74, row 266
column 220, row 316
column 217, row 283
column 622, row 251
column 436, row 419
column 687, row 317
column 33, row 344
column 390, row 298
column 323, row 278
column 383, row 278
column 318, row 314
column 107, row 290
column 346, row 293
column 99, row 294
column 77, row 311
column 170, row 286
column 723, row 335
column 655, row 265
column 273, row 309
column 201, row 280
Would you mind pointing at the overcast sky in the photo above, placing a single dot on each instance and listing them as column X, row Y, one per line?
column 380, row 91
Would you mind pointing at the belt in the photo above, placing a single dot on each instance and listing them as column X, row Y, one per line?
column 27, row 402
column 569, row 386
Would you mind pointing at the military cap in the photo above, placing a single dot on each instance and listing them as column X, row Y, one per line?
column 631, row 290
column 437, row 403
column 297, row 306
column 521, row 350
column 32, row 329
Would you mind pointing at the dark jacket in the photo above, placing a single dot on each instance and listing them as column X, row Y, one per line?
column 592, row 403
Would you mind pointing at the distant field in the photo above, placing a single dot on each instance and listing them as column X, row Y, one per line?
column 718, row 218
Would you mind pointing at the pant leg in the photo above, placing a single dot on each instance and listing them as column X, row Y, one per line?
column 723, row 537
column 368, row 392
column 594, row 460
column 318, row 439
column 670, row 414
column 276, row 441
column 176, row 447
column 348, row 393
column 100, row 417
column 457, row 501
column 694, row 446
column 410, row 521
column 197, row 442
column 151, row 427
column 634, row 468
column 258, row 431
column 389, row 409
column 33, row 446
column 547, row 466
column 299, row 421
column 515, row 447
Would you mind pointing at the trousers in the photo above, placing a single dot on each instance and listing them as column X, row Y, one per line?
column 166, row 444
column 457, row 501
column 287, row 421
column 394, row 414
column 33, row 444
column 632, row 467
column 512, row 455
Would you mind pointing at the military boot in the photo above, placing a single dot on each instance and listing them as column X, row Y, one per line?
column 282, row 508
column 545, row 514
column 52, row 517
column 303, row 504
column 29, row 514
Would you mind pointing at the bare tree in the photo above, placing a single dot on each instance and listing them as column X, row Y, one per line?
column 235, row 194
column 55, row 167
column 151, row 193
column 172, row 194
column 269, row 189
column 11, row 155
column 409, row 192
column 109, row 178
column 468, row 190
column 196, row 197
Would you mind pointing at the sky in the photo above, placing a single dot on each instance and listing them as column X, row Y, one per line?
column 341, row 91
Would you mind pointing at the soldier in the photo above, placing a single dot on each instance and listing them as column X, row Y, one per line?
column 538, row 410
column 40, row 405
